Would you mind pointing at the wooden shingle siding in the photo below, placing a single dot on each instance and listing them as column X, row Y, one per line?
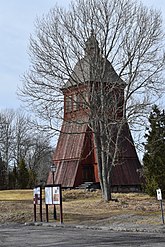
column 71, row 141
column 66, row 173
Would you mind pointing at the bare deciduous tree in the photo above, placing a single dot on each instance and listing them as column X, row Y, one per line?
column 97, row 34
column 39, row 157
column 6, row 134
column 20, row 140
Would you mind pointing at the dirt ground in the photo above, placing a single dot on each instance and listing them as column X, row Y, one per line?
column 84, row 207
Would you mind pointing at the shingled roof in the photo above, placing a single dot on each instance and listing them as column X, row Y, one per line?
column 93, row 67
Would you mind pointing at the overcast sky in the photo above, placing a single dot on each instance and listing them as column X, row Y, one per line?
column 17, row 19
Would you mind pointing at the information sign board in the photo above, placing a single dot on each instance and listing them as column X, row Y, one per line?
column 37, row 195
column 37, row 200
column 159, row 194
column 52, row 195
column 56, row 195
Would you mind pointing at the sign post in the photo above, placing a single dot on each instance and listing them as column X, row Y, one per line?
column 53, row 196
column 159, row 198
column 37, row 200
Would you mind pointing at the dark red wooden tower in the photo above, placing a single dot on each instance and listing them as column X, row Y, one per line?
column 74, row 155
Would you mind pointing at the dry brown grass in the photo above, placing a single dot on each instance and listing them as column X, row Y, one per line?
column 15, row 195
column 83, row 207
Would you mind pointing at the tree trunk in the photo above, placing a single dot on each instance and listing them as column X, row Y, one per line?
column 104, row 169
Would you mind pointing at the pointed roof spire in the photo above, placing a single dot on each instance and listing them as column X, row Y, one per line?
column 93, row 66
column 92, row 45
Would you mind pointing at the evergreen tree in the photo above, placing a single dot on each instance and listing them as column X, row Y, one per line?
column 23, row 175
column 32, row 178
column 12, row 178
column 3, row 174
column 154, row 158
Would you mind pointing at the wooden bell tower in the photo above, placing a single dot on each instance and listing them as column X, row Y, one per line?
column 75, row 155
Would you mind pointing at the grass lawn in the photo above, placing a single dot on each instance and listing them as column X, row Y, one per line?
column 16, row 195
column 83, row 207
